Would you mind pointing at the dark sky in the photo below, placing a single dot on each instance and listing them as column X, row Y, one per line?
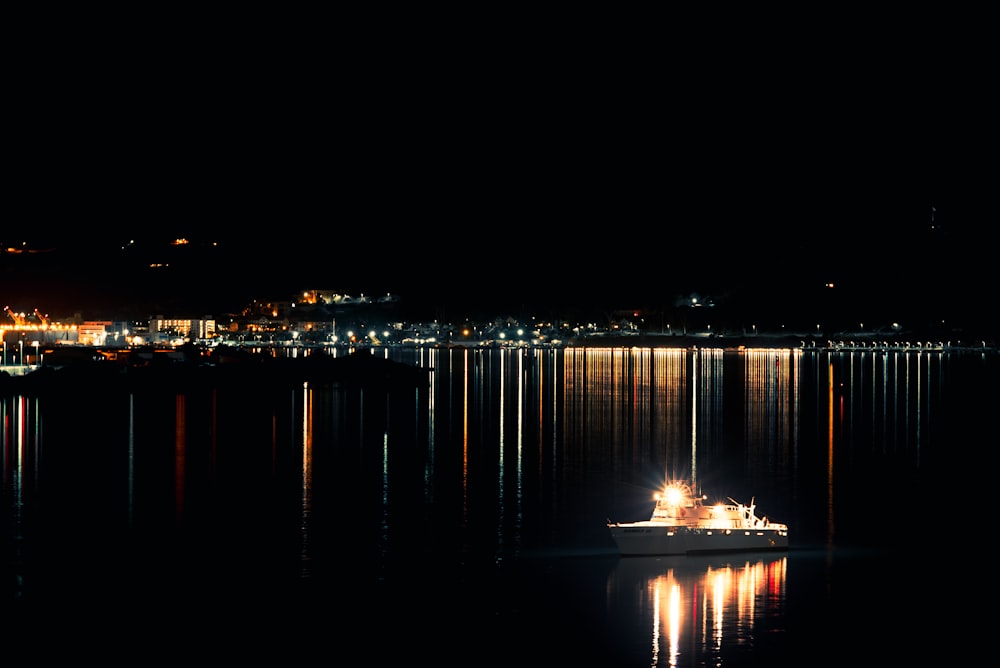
column 512, row 170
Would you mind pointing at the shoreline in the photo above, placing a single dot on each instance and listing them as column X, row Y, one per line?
column 86, row 368
column 795, row 341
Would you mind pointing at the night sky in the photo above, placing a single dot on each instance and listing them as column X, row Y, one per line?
column 513, row 174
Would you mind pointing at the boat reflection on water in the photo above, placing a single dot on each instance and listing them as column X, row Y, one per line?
column 698, row 610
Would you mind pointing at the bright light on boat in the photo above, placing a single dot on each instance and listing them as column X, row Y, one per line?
column 674, row 496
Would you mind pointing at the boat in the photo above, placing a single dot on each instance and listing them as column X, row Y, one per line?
column 681, row 523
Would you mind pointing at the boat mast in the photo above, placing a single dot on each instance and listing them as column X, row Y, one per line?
column 694, row 423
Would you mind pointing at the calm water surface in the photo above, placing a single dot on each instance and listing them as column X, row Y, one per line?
column 463, row 523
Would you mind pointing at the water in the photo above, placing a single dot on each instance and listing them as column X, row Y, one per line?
column 464, row 523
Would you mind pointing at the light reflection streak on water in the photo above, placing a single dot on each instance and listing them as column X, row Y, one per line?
column 829, row 462
column 511, row 360
column 746, row 611
column 920, row 395
column 880, row 360
column 897, row 392
column 521, row 426
column 598, row 406
column 706, row 401
column 656, row 627
column 385, row 493
column 180, row 456
column 725, row 603
column 21, row 445
column 894, row 406
column 20, row 442
column 666, row 595
column 771, row 386
column 717, row 587
column 670, row 386
column 853, row 399
column 639, row 397
column 708, row 377
column 555, row 418
column 694, row 422
column 637, row 403
column 131, row 460
column 424, row 362
column 502, row 444
column 307, row 480
column 385, row 471
column 465, row 437
column 910, row 362
column 674, row 621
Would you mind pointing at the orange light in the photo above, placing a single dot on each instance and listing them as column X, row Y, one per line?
column 674, row 496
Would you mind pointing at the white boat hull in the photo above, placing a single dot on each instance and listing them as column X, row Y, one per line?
column 654, row 538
